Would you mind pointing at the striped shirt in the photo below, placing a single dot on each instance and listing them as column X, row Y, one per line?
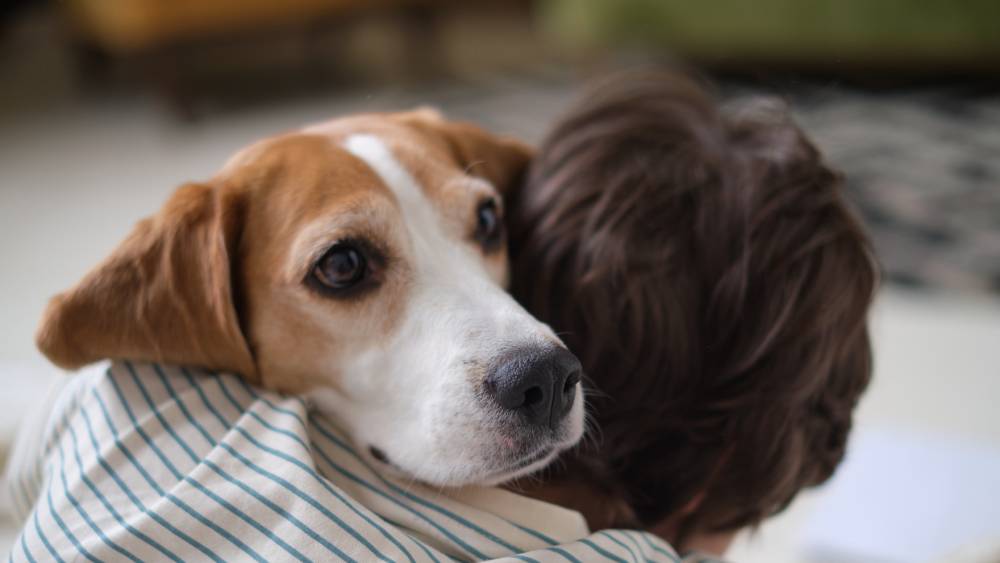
column 144, row 462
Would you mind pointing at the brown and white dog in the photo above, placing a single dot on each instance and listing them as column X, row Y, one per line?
column 361, row 263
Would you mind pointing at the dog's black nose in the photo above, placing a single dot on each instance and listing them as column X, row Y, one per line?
column 539, row 383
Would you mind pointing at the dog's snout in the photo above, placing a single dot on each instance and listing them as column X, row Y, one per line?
column 538, row 383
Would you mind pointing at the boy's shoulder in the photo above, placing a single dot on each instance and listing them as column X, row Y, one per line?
column 150, row 462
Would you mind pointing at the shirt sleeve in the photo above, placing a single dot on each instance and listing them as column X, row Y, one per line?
column 611, row 545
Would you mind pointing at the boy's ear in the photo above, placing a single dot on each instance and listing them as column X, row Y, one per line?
column 165, row 294
column 501, row 160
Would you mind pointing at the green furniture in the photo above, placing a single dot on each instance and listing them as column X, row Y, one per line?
column 935, row 33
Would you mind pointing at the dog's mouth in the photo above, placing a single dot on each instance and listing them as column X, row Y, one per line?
column 531, row 459
column 526, row 465
column 379, row 455
column 521, row 466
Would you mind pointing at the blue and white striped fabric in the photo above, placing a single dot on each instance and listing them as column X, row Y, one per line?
column 144, row 462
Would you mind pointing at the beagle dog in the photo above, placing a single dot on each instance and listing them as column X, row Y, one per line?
column 360, row 263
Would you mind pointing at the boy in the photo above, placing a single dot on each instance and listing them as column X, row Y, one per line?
column 703, row 265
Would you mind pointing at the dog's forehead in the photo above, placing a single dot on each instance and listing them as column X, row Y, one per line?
column 299, row 175
column 411, row 131
column 411, row 142
column 315, row 153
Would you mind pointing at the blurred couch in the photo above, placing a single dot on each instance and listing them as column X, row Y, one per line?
column 909, row 33
column 130, row 26
column 180, row 46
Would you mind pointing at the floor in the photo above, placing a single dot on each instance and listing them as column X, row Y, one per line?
column 77, row 171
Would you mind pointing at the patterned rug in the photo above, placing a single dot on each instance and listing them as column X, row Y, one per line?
column 923, row 167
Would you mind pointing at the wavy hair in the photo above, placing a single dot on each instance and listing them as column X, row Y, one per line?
column 703, row 264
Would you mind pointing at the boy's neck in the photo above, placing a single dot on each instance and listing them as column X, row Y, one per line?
column 602, row 511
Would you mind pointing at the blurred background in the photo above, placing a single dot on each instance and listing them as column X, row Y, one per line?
column 107, row 105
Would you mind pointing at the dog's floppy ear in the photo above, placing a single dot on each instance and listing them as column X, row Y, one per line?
column 165, row 294
column 501, row 160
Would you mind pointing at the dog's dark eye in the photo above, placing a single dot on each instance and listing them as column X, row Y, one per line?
column 488, row 224
column 342, row 267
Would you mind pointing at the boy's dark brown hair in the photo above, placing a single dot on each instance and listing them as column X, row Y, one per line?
column 702, row 263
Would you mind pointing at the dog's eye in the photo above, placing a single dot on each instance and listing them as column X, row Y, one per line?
column 342, row 267
column 488, row 224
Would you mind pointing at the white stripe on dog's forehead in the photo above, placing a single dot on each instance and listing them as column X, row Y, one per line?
column 421, row 219
column 374, row 152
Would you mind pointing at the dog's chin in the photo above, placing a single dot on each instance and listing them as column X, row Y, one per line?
column 521, row 469
column 490, row 475
column 487, row 474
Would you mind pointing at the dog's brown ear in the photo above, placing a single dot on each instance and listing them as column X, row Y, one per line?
column 501, row 160
column 165, row 294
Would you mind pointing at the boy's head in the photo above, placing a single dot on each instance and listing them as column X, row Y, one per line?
column 703, row 265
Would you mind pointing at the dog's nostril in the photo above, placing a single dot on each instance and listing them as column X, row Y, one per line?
column 533, row 396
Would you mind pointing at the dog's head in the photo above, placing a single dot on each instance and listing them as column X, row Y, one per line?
column 360, row 262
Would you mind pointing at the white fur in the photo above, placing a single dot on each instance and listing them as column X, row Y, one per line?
column 414, row 397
